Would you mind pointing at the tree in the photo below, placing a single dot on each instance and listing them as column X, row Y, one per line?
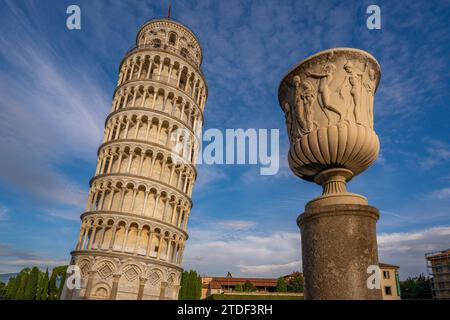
column 32, row 283
column 194, row 286
column 2, row 289
column 13, row 286
column 191, row 286
column 199, row 288
column 184, row 282
column 295, row 283
column 62, row 280
column 9, row 286
column 23, row 279
column 248, row 287
column 416, row 288
column 18, row 292
column 58, row 276
column 281, row 285
column 39, row 285
column 43, row 287
column 238, row 288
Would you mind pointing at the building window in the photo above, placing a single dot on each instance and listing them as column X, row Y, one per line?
column 386, row 275
column 172, row 39
column 105, row 170
column 184, row 52
column 156, row 43
column 388, row 291
column 97, row 201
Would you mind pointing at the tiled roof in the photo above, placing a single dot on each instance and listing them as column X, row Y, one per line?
column 388, row 266
column 215, row 285
column 258, row 282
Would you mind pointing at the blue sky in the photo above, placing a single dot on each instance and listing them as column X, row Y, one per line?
column 56, row 87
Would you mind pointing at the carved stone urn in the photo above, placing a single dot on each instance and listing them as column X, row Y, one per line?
column 328, row 104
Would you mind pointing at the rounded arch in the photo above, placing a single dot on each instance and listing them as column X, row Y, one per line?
column 156, row 43
column 173, row 38
column 101, row 291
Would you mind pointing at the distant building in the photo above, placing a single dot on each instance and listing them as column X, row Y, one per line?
column 390, row 284
column 438, row 265
column 219, row 285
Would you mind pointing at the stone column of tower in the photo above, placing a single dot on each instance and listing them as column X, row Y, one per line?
column 133, row 231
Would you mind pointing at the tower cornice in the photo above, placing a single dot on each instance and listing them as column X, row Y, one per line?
column 165, row 21
column 147, row 179
column 136, row 49
column 121, row 142
column 145, row 219
column 148, row 83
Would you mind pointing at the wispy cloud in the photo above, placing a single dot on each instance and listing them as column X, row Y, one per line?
column 241, row 247
column 280, row 269
column 208, row 175
column 13, row 259
column 66, row 214
column 3, row 213
column 51, row 115
column 437, row 153
column 443, row 193
column 407, row 249
column 251, row 254
column 219, row 250
column 238, row 224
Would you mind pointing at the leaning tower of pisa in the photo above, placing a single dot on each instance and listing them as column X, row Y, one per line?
column 133, row 231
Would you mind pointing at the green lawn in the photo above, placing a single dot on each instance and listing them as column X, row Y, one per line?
column 252, row 297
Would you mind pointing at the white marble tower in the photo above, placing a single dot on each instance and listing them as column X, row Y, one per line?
column 133, row 231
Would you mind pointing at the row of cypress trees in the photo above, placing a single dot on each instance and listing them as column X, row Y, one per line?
column 33, row 284
column 191, row 286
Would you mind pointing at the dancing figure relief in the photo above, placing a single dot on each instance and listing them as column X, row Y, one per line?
column 304, row 98
column 354, row 80
column 288, row 118
column 370, row 86
column 324, row 92
column 328, row 101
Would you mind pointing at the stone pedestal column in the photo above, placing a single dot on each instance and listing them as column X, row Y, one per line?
column 338, row 244
column 328, row 104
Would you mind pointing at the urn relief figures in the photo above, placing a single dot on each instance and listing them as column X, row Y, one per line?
column 328, row 104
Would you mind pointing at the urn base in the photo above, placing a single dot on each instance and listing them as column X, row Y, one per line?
column 338, row 245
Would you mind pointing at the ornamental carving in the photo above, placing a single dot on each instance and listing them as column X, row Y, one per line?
column 328, row 104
